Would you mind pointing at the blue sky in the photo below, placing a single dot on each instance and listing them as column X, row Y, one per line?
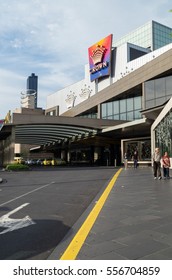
column 51, row 38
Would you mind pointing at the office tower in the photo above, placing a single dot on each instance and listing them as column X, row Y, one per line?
column 32, row 86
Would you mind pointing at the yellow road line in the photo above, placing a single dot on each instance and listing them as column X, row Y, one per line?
column 78, row 240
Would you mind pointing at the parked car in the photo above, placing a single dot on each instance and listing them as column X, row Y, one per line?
column 19, row 160
column 58, row 161
column 31, row 161
column 28, row 162
column 40, row 162
column 47, row 161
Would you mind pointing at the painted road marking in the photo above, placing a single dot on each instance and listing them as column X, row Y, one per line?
column 14, row 224
column 78, row 240
column 26, row 194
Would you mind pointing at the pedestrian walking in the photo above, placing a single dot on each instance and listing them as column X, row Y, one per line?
column 135, row 159
column 125, row 161
column 166, row 165
column 157, row 164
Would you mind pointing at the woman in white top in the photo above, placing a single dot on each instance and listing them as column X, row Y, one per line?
column 157, row 164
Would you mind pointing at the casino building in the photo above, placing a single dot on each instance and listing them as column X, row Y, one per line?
column 123, row 104
column 129, row 81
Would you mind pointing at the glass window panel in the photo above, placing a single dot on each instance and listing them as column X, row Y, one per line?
column 130, row 105
column 159, row 87
column 122, row 105
column 149, row 90
column 116, row 107
column 169, row 85
column 116, row 117
column 130, row 116
column 138, row 102
column 150, row 104
column 103, row 110
column 160, row 101
column 145, row 150
column 110, row 117
column 123, row 116
column 137, row 115
column 109, row 108
column 130, row 148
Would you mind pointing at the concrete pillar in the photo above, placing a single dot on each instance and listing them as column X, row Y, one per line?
column 68, row 156
column 63, row 154
column 97, row 153
column 99, row 111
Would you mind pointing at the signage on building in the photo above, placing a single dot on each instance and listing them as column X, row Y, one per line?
column 70, row 100
column 1, row 123
column 100, row 58
column 85, row 92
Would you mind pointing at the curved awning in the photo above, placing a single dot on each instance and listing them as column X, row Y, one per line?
column 35, row 128
column 44, row 134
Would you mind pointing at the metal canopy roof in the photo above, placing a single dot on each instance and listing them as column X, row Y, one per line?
column 44, row 134
column 37, row 129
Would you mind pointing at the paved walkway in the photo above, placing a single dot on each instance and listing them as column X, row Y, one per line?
column 135, row 222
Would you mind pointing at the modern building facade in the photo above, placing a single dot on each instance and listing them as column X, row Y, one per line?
column 152, row 35
column 120, row 106
column 140, row 82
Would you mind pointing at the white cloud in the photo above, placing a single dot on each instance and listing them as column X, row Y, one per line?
column 11, row 85
column 50, row 39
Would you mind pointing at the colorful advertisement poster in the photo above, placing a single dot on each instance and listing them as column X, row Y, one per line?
column 1, row 123
column 100, row 58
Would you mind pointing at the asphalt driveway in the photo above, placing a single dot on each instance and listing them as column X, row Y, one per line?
column 39, row 207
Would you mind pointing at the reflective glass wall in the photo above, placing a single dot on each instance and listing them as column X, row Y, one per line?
column 161, row 35
column 157, row 92
column 143, row 147
column 123, row 109
column 142, row 36
column 152, row 35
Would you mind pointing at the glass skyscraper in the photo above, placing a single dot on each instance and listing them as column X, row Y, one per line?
column 32, row 86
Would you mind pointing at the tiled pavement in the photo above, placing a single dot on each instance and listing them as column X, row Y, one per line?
column 135, row 222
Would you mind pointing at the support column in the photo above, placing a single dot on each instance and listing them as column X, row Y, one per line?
column 97, row 154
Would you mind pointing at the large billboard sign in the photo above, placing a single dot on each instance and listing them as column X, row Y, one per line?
column 100, row 58
column 1, row 123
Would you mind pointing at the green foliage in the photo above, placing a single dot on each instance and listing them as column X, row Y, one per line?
column 16, row 167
